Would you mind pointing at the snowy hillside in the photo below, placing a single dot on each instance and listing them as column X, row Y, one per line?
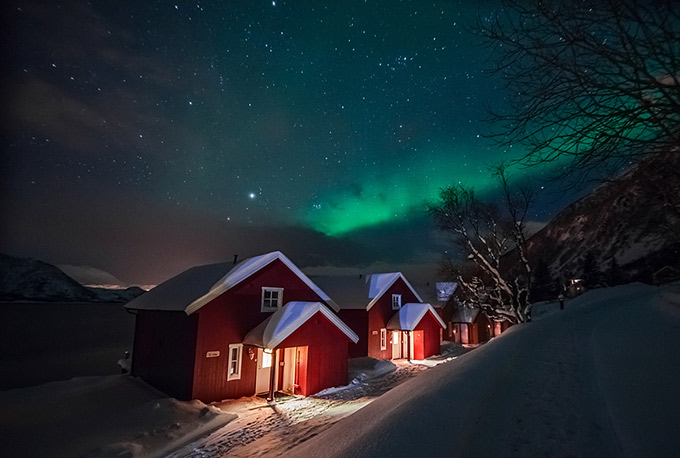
column 29, row 279
column 88, row 275
column 33, row 280
column 634, row 218
column 598, row 379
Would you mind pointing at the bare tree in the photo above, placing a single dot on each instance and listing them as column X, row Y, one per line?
column 485, row 232
column 589, row 82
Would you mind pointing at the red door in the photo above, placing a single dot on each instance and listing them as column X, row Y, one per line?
column 418, row 345
column 301, row 371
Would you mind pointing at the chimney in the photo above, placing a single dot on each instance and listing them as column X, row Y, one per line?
column 235, row 259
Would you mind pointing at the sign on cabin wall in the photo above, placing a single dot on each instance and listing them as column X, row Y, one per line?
column 212, row 354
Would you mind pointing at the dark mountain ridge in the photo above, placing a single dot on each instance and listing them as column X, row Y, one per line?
column 33, row 280
column 634, row 219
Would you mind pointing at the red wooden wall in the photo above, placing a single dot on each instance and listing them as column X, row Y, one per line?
column 163, row 353
column 357, row 320
column 430, row 328
column 380, row 314
column 170, row 347
column 327, row 353
column 227, row 319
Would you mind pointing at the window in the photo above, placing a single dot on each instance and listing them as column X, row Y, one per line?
column 272, row 299
column 396, row 301
column 266, row 358
column 234, row 369
column 383, row 339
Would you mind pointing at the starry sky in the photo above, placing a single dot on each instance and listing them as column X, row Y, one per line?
column 146, row 137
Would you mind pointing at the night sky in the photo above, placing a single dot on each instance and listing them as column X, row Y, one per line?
column 146, row 137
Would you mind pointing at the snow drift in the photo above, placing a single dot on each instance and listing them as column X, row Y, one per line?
column 593, row 380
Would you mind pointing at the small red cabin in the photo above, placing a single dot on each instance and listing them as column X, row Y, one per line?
column 471, row 326
column 204, row 334
column 368, row 304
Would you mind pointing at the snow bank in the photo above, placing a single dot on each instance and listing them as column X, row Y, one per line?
column 362, row 370
column 158, row 427
column 100, row 416
column 366, row 368
column 597, row 379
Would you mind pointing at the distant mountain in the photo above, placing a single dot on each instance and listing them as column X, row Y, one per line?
column 116, row 295
column 36, row 280
column 30, row 279
column 634, row 219
column 88, row 275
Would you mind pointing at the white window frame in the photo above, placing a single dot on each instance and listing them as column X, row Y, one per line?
column 383, row 339
column 396, row 301
column 236, row 375
column 279, row 299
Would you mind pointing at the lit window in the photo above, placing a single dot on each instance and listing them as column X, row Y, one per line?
column 272, row 299
column 395, row 338
column 383, row 339
column 234, row 368
column 266, row 358
column 396, row 301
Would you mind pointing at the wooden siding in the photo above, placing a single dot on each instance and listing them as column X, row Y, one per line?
column 479, row 331
column 171, row 348
column 380, row 314
column 357, row 320
column 430, row 328
column 326, row 354
column 163, row 353
column 227, row 319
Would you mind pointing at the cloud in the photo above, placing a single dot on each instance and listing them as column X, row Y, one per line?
column 142, row 243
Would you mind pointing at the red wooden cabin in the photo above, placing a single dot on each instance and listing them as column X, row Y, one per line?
column 471, row 326
column 190, row 333
column 415, row 331
column 368, row 303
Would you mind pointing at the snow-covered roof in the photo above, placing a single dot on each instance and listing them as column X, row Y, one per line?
column 359, row 292
column 409, row 315
column 436, row 293
column 195, row 287
column 445, row 290
column 282, row 323
column 465, row 315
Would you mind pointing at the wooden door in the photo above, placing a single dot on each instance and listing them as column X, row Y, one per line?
column 464, row 334
column 264, row 367
column 396, row 344
column 418, row 345
column 288, row 370
column 301, row 370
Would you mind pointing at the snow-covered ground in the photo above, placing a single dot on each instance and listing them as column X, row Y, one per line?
column 263, row 429
column 100, row 416
column 121, row 416
column 598, row 379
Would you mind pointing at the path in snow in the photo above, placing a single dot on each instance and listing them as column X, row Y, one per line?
column 598, row 379
column 267, row 430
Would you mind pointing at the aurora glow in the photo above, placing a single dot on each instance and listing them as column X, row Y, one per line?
column 376, row 199
column 142, row 138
